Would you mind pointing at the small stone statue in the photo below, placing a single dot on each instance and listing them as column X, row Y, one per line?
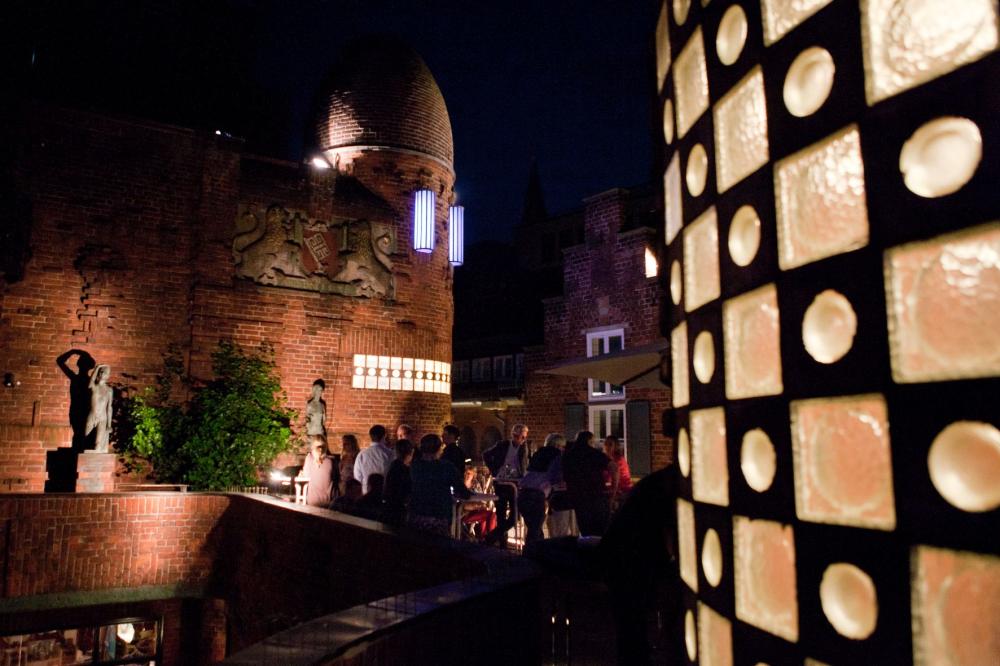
column 316, row 410
column 101, row 404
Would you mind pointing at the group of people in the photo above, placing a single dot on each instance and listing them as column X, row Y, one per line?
column 555, row 479
column 402, row 483
column 417, row 483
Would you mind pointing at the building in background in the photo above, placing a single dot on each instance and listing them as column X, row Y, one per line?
column 136, row 236
column 592, row 273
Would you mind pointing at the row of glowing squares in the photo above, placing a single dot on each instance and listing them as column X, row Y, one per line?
column 398, row 363
column 820, row 196
column 943, row 319
column 820, row 205
column 954, row 595
column 386, row 383
column 842, row 460
column 904, row 44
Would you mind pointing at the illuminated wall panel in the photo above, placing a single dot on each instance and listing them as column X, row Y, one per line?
column 741, row 131
column 764, row 562
column 836, row 365
column 393, row 373
column 690, row 83
column 944, row 306
column 820, row 195
column 843, row 465
column 701, row 264
column 907, row 43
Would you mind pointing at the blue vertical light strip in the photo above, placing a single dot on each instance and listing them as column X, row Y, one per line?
column 456, row 235
column 423, row 221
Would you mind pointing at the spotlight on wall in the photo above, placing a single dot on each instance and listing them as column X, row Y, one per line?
column 320, row 162
column 9, row 381
column 456, row 235
column 423, row 221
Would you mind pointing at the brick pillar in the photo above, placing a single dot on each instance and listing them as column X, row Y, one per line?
column 95, row 472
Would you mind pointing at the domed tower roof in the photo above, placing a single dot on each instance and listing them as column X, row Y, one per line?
column 381, row 94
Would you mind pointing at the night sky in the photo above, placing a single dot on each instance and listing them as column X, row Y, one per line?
column 566, row 83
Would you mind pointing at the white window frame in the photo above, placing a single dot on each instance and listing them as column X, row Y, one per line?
column 503, row 368
column 604, row 334
column 479, row 363
column 592, row 414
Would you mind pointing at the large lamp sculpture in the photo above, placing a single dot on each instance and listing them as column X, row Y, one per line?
column 423, row 221
column 456, row 235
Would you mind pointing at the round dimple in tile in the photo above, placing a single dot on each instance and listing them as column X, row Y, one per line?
column 732, row 35
column 847, row 596
column 941, row 156
column 829, row 326
column 964, row 464
column 808, row 82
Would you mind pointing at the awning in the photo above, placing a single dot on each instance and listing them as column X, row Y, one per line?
column 638, row 367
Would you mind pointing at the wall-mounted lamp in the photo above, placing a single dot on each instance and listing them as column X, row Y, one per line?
column 456, row 235
column 9, row 381
column 320, row 163
column 423, row 221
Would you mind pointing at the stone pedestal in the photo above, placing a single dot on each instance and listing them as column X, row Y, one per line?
column 95, row 472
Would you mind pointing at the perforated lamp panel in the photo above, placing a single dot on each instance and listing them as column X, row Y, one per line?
column 841, row 245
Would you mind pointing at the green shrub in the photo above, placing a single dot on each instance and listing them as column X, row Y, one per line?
column 227, row 430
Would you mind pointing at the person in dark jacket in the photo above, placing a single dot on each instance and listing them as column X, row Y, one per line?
column 638, row 558
column 453, row 453
column 433, row 483
column 398, row 485
column 507, row 461
column 584, row 469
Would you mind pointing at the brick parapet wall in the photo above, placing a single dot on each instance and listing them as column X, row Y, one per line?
column 71, row 543
column 274, row 564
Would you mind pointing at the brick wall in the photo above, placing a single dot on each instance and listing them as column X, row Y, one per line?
column 265, row 565
column 131, row 237
column 604, row 285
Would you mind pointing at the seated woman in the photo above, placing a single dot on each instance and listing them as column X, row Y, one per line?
column 621, row 482
column 544, row 471
column 432, row 482
column 349, row 452
column 322, row 473
column 479, row 515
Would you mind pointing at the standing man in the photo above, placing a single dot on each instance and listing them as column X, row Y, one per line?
column 453, row 453
column 507, row 461
column 375, row 459
column 404, row 431
column 584, row 469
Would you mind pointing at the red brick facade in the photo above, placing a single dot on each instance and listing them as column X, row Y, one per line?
column 605, row 286
column 131, row 233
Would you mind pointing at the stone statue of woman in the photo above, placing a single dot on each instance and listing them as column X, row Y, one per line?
column 316, row 410
column 101, row 403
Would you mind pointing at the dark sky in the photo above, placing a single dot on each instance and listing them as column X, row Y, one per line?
column 568, row 83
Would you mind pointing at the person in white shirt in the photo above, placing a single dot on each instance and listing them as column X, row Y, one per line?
column 375, row 459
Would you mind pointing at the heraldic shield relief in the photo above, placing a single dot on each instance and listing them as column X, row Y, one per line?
column 284, row 248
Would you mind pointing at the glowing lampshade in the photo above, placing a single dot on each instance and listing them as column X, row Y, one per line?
column 423, row 221
column 456, row 235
